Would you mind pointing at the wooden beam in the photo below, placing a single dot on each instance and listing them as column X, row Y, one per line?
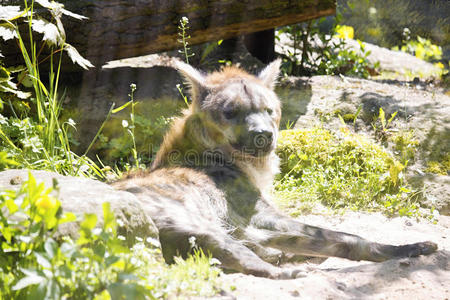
column 120, row 28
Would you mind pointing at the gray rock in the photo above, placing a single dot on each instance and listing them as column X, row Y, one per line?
column 82, row 195
column 435, row 190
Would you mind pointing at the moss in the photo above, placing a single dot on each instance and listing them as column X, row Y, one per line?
column 442, row 168
column 348, row 117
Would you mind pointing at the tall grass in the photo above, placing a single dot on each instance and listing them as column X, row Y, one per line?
column 42, row 141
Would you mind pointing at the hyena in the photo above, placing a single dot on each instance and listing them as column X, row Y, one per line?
column 210, row 177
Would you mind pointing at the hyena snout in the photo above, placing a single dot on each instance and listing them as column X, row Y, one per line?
column 261, row 139
column 260, row 134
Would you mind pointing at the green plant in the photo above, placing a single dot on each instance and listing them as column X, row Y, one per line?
column 442, row 167
column 130, row 128
column 322, row 53
column 405, row 145
column 421, row 47
column 34, row 136
column 209, row 48
column 184, row 38
column 152, row 118
column 345, row 170
column 185, row 98
column 382, row 126
column 34, row 264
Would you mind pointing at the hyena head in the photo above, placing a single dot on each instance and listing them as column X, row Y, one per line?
column 238, row 112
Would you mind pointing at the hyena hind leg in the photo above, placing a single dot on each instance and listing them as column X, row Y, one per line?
column 332, row 243
column 232, row 254
column 309, row 240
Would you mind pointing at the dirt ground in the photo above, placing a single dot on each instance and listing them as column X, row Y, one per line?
column 424, row 277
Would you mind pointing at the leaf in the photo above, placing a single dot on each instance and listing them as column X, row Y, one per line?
column 9, row 12
column 57, row 9
column 104, row 295
column 111, row 260
column 7, row 31
column 67, row 218
column 391, row 118
column 51, row 33
column 121, row 107
column 26, row 281
column 53, row 290
column 4, row 74
column 41, row 260
column 89, row 222
column 109, row 221
column 382, row 118
column 394, row 171
column 6, row 233
column 77, row 58
column 51, row 247
column 10, row 204
column 341, row 119
column 73, row 15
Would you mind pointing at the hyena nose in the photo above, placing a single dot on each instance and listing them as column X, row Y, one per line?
column 262, row 138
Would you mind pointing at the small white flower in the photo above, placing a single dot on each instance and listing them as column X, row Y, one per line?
column 185, row 20
column 71, row 122
column 125, row 123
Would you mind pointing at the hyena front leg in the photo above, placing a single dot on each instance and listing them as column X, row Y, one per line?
column 288, row 235
column 232, row 254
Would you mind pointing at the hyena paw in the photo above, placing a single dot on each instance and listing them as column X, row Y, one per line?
column 413, row 250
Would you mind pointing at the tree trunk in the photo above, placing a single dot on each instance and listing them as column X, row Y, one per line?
column 119, row 28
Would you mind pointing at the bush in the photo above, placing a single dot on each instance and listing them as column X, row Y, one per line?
column 34, row 264
column 344, row 170
column 324, row 53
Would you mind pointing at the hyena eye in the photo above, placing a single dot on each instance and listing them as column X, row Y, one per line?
column 230, row 114
column 269, row 111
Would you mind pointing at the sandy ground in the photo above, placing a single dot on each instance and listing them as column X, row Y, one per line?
column 425, row 277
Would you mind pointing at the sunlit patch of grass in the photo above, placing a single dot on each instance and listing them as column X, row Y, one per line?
column 442, row 167
column 197, row 276
column 343, row 170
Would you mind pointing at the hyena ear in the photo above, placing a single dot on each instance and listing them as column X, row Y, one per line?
column 270, row 74
column 194, row 79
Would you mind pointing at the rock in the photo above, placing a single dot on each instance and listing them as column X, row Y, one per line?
column 436, row 192
column 82, row 195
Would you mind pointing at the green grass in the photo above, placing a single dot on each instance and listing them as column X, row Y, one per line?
column 35, row 137
column 152, row 117
column 343, row 170
column 197, row 276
